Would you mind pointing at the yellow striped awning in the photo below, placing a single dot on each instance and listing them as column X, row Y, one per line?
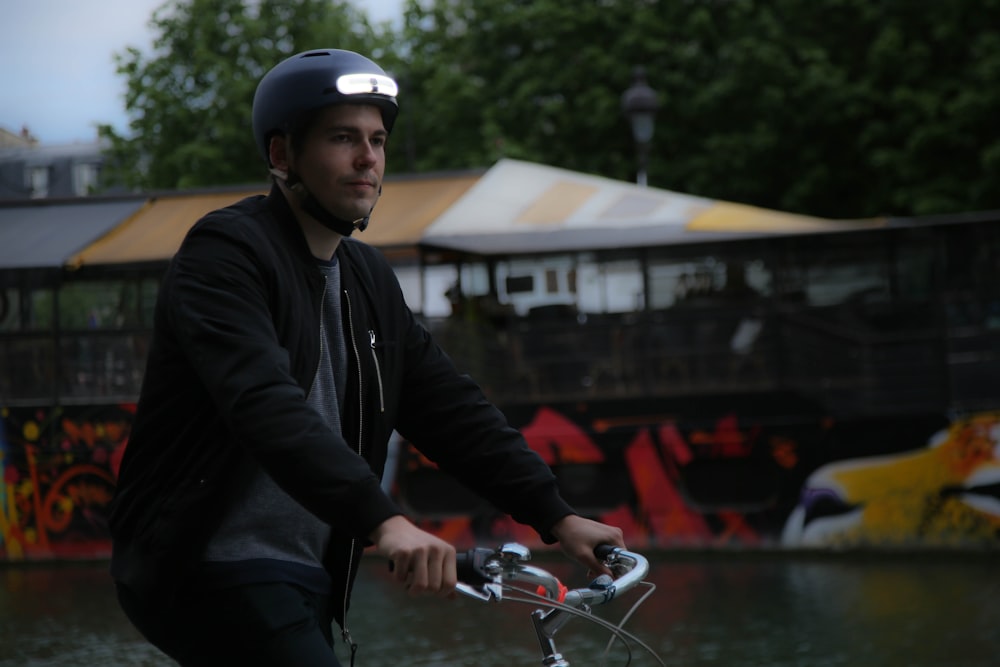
column 155, row 231
column 408, row 206
column 731, row 217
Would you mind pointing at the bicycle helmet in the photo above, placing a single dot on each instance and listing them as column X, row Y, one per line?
column 312, row 80
column 315, row 79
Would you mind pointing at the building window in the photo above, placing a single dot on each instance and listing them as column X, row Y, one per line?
column 85, row 175
column 38, row 182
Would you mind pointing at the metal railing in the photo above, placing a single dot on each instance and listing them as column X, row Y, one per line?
column 846, row 369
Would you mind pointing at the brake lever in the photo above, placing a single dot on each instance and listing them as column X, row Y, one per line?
column 488, row 593
column 479, row 574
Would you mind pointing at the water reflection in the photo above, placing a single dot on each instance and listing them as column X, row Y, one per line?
column 734, row 610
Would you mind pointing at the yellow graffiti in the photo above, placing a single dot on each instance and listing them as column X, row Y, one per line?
column 937, row 496
column 31, row 431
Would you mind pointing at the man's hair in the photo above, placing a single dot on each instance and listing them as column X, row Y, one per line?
column 299, row 129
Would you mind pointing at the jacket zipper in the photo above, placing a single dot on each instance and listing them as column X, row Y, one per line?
column 346, row 633
column 378, row 372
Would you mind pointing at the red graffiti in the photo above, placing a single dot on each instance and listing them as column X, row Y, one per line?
column 663, row 509
column 558, row 440
column 58, row 481
column 658, row 513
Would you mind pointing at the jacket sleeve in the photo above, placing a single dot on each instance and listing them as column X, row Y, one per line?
column 221, row 295
column 448, row 418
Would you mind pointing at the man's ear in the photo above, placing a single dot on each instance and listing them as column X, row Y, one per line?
column 277, row 151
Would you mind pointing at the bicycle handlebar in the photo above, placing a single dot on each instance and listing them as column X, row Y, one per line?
column 488, row 570
column 629, row 568
column 483, row 573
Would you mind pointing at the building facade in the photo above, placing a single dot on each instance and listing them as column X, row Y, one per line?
column 30, row 169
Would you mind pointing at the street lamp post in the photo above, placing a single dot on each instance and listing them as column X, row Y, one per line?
column 639, row 103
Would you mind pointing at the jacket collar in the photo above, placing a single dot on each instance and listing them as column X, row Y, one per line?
column 286, row 221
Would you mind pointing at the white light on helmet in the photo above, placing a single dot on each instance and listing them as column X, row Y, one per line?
column 366, row 84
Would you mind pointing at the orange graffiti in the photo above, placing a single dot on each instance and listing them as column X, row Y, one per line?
column 90, row 434
column 58, row 506
column 785, row 452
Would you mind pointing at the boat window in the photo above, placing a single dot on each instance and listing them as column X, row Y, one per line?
column 106, row 304
column 733, row 273
column 27, row 369
column 835, row 269
column 551, row 281
column 609, row 284
column 10, row 309
column 411, row 283
column 525, row 284
column 37, row 312
column 517, row 284
column 438, row 281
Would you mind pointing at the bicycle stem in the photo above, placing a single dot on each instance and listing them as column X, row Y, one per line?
column 547, row 624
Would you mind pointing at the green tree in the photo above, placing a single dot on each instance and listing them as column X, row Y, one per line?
column 841, row 108
column 189, row 101
column 536, row 80
column 844, row 108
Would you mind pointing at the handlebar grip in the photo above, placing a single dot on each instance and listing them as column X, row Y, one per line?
column 602, row 551
column 470, row 566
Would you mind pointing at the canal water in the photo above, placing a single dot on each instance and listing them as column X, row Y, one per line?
column 768, row 610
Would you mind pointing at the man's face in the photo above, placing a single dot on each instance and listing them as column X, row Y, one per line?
column 342, row 161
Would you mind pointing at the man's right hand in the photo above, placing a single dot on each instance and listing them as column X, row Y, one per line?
column 423, row 563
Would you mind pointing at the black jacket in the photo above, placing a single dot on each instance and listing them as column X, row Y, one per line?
column 234, row 350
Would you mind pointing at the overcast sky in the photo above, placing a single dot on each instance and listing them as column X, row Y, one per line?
column 59, row 75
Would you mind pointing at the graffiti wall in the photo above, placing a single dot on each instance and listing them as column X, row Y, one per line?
column 713, row 477
column 697, row 474
column 943, row 494
column 57, row 471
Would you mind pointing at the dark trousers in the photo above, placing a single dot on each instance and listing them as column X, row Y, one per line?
column 255, row 625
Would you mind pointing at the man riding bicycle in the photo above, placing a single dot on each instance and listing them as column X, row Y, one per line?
column 283, row 357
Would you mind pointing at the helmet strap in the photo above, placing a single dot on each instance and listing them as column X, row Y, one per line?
column 343, row 227
column 311, row 205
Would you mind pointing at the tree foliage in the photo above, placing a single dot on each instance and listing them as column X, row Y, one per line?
column 190, row 100
column 842, row 108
